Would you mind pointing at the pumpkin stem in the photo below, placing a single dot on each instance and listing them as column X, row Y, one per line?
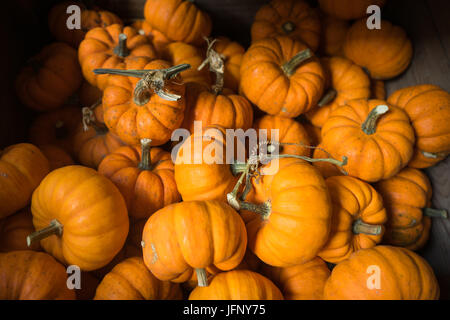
column 288, row 27
column 264, row 209
column 89, row 120
column 238, row 167
column 55, row 228
column 437, row 213
column 290, row 66
column 146, row 160
column 327, row 98
column 216, row 65
column 121, row 50
column 369, row 126
column 201, row 277
column 330, row 160
column 369, row 229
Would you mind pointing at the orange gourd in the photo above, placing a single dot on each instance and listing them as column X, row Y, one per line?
column 14, row 230
column 157, row 38
column 333, row 35
column 56, row 156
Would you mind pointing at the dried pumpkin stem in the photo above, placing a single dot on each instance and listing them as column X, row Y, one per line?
column 369, row 126
column 432, row 155
column 290, row 66
column 121, row 49
column 238, row 167
column 146, row 160
column 216, row 65
column 202, row 278
column 327, row 98
column 369, row 229
column 330, row 160
column 55, row 228
column 436, row 213
column 264, row 209
column 288, row 27
column 89, row 120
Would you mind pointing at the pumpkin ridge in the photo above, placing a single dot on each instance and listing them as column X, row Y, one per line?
column 392, row 270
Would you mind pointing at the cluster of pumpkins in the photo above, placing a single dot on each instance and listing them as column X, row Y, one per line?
column 96, row 185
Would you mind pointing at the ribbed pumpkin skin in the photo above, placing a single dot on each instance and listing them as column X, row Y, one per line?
column 300, row 282
column 270, row 20
column 428, row 107
column 385, row 52
column 289, row 131
column 155, row 120
column 204, row 180
column 97, row 51
column 233, row 53
column 57, row 22
column 350, row 83
column 404, row 275
column 348, row 9
column 14, row 231
column 157, row 38
column 370, row 157
column 22, row 167
column 81, row 199
column 405, row 195
column 131, row 280
column 52, row 77
column 30, row 275
column 179, row 20
column 266, row 85
column 352, row 200
column 333, row 35
column 56, row 156
column 145, row 191
column 238, row 285
column 291, row 234
column 193, row 234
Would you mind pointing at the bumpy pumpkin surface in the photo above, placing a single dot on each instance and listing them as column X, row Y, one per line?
column 22, row 167
column 348, row 9
column 238, row 285
column 404, row 275
column 31, row 275
column 428, row 107
column 92, row 216
column 131, row 280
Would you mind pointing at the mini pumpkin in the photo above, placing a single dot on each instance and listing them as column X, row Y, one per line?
column 407, row 197
column 348, row 9
column 333, row 35
column 294, row 18
column 232, row 54
column 428, row 107
column 144, row 176
column 56, row 156
column 385, row 53
column 14, row 230
column 84, row 200
column 49, row 78
column 377, row 138
column 131, row 280
column 157, row 38
column 282, row 77
column 402, row 274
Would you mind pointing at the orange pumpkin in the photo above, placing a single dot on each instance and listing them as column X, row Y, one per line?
column 333, row 35
column 376, row 137
column 145, row 177
column 300, row 282
column 232, row 54
column 384, row 52
column 357, row 221
column 84, row 200
column 282, row 77
column 133, row 118
column 402, row 274
column 293, row 18
column 131, row 280
column 238, row 285
column 157, row 38
column 314, row 133
column 22, row 167
column 49, row 78
column 193, row 235
column 90, row 18
column 31, row 275
column 428, row 107
column 179, row 20
column 110, row 47
column 14, row 230
column 347, row 82
column 348, row 9
column 407, row 197
column 292, row 136
column 56, row 156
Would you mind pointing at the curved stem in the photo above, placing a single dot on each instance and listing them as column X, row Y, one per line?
column 55, row 228
column 290, row 66
column 238, row 167
column 288, row 27
column 327, row 98
column 330, row 160
column 436, row 213
column 202, row 278
column 146, row 161
column 369, row 229
column 121, row 50
column 264, row 209
column 369, row 126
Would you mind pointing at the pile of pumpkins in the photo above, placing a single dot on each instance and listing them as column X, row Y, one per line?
column 96, row 185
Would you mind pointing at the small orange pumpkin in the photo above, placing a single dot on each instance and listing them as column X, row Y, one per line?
column 14, row 230
column 333, row 35
column 157, row 38
column 232, row 54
